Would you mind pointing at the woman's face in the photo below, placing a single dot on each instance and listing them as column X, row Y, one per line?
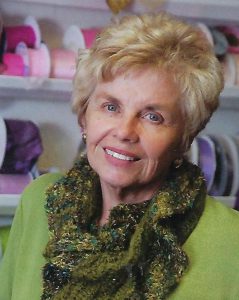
column 134, row 128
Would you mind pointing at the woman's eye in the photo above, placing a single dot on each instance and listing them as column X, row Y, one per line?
column 111, row 107
column 153, row 117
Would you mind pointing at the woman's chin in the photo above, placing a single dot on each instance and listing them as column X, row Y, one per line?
column 117, row 182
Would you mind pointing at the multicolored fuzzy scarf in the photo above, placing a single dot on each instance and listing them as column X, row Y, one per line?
column 136, row 255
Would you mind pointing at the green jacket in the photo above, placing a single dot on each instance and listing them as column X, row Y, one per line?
column 213, row 250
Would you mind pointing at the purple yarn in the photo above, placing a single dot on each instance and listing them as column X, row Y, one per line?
column 23, row 148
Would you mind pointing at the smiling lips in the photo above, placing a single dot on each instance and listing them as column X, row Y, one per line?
column 120, row 156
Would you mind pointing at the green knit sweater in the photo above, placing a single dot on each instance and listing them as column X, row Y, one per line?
column 212, row 249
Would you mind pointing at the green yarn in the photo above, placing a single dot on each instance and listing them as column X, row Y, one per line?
column 136, row 255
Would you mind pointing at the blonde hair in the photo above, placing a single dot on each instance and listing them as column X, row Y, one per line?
column 161, row 41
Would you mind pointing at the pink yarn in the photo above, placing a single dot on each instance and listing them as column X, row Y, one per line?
column 90, row 35
column 39, row 61
column 63, row 63
column 14, row 64
column 15, row 35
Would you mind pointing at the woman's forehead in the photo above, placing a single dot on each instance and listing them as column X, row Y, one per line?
column 148, row 88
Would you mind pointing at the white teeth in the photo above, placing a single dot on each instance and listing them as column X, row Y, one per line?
column 117, row 155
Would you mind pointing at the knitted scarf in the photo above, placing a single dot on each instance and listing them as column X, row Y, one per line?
column 136, row 255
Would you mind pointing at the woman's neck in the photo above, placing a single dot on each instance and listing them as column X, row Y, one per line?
column 112, row 197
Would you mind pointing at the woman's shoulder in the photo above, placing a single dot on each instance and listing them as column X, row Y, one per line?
column 42, row 182
column 218, row 225
column 212, row 249
column 219, row 214
column 34, row 193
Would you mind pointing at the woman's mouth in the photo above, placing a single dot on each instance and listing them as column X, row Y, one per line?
column 120, row 156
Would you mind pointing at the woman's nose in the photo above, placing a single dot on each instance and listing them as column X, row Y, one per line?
column 127, row 130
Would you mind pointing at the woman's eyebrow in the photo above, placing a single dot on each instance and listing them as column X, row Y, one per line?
column 110, row 98
column 157, row 106
column 106, row 96
column 149, row 106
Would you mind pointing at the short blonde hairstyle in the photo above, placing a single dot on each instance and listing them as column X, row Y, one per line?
column 162, row 42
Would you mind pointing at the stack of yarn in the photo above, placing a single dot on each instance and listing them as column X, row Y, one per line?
column 218, row 157
column 20, row 149
column 63, row 60
column 22, row 52
column 225, row 42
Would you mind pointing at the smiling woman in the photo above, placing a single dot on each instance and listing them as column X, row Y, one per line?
column 140, row 124
column 131, row 219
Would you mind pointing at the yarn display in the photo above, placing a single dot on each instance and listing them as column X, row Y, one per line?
column 20, row 149
column 218, row 157
column 23, row 53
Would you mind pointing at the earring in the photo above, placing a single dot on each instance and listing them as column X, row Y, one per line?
column 84, row 137
column 177, row 163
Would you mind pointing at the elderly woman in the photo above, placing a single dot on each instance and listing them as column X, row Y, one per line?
column 132, row 219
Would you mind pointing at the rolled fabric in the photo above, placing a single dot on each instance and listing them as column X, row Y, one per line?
column 232, row 35
column 17, row 64
column 206, row 31
column 2, row 44
column 220, row 42
column 29, row 33
column 3, row 140
column 40, row 62
column 14, row 183
column 235, row 158
column 232, row 152
column 39, row 59
column 207, row 159
column 23, row 147
column 236, row 59
column 79, row 38
column 220, row 179
column 229, row 69
column 63, row 63
column 90, row 35
column 223, row 140
column 14, row 65
column 73, row 39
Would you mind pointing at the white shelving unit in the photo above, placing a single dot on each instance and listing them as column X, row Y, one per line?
column 14, row 87
column 8, row 204
column 47, row 101
column 199, row 9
